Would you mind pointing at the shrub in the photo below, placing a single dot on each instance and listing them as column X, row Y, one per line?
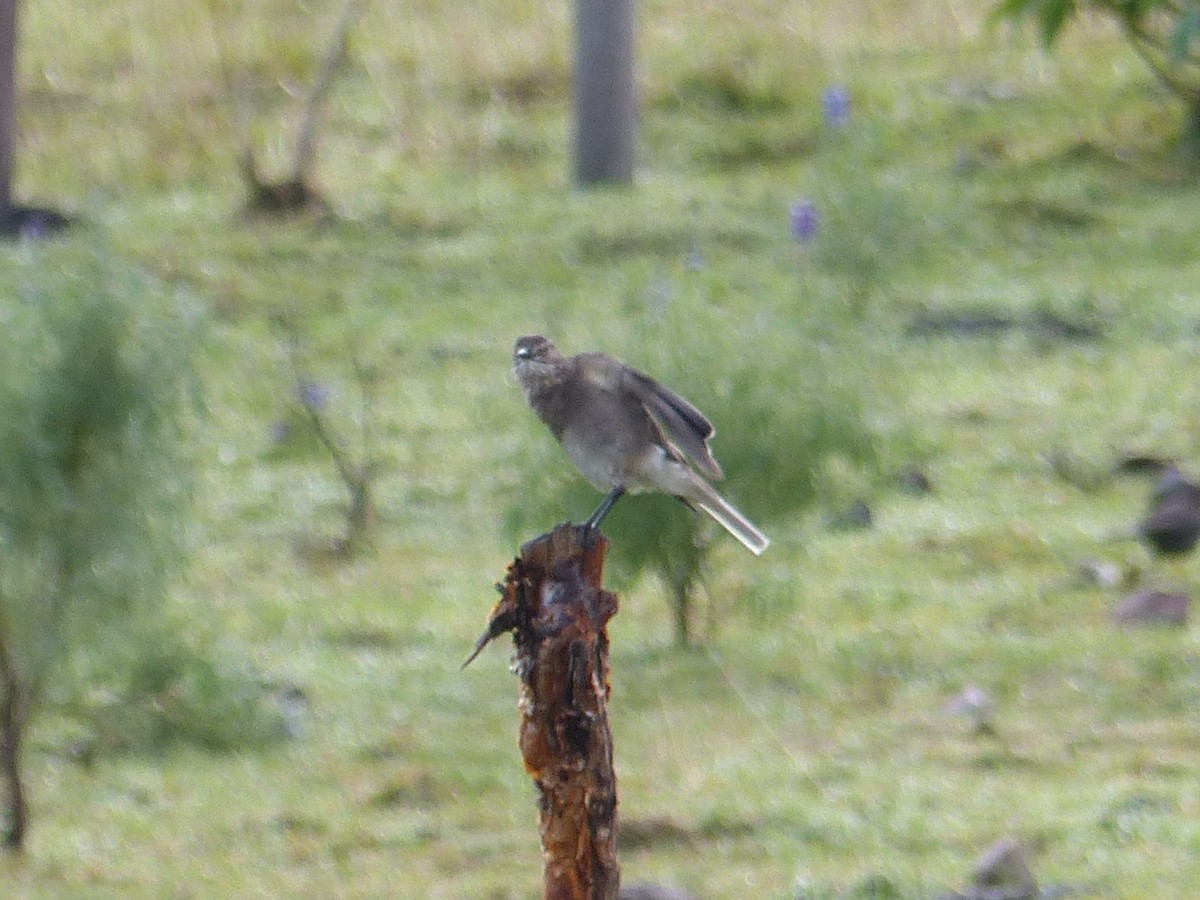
column 1163, row 33
column 94, row 388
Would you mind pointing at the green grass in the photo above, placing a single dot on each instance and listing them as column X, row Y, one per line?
column 803, row 750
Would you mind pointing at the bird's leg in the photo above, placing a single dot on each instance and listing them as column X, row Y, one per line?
column 606, row 505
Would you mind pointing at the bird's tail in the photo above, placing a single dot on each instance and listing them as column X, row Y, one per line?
column 728, row 517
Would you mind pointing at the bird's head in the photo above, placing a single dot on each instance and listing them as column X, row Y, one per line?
column 536, row 363
column 535, row 355
column 533, row 347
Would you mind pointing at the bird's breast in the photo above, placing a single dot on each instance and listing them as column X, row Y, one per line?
column 596, row 459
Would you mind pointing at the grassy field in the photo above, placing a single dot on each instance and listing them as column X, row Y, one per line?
column 803, row 750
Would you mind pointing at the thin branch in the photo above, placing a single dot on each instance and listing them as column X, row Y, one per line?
column 336, row 52
column 225, row 71
column 357, row 479
column 8, row 672
column 1149, row 48
column 345, row 470
column 14, row 708
column 366, row 388
column 21, row 693
column 1121, row 8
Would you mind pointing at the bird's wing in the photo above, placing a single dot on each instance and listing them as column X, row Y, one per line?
column 685, row 426
column 681, row 426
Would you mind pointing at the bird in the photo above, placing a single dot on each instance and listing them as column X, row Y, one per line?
column 1171, row 526
column 625, row 432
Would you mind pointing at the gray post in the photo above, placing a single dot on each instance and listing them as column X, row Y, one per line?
column 605, row 103
column 8, row 77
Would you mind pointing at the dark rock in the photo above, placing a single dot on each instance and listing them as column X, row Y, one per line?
column 1172, row 524
column 1053, row 327
column 1047, row 326
column 32, row 222
column 1153, row 607
column 1003, row 871
column 913, row 480
column 854, row 517
column 963, row 323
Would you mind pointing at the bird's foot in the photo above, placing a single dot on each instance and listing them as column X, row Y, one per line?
column 604, row 508
column 587, row 534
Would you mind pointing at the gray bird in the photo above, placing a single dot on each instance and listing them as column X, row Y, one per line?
column 625, row 432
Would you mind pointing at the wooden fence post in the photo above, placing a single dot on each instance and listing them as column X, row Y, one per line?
column 553, row 602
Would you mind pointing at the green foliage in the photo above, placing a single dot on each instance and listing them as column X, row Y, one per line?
column 1051, row 15
column 1181, row 39
column 96, row 397
column 172, row 694
column 874, row 229
column 1163, row 32
column 92, row 477
column 870, row 232
column 93, row 473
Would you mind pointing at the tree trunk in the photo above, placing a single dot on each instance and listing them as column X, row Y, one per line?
column 1190, row 140
column 605, row 101
column 12, row 724
column 8, row 78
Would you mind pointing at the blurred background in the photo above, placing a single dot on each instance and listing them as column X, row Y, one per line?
column 929, row 268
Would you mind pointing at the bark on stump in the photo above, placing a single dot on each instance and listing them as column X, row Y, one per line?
column 553, row 603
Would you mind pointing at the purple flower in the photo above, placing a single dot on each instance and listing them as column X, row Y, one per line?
column 33, row 228
column 280, row 431
column 312, row 394
column 835, row 103
column 805, row 221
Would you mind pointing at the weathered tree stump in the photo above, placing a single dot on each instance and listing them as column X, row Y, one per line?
column 553, row 603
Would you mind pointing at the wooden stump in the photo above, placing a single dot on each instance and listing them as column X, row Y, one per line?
column 553, row 603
